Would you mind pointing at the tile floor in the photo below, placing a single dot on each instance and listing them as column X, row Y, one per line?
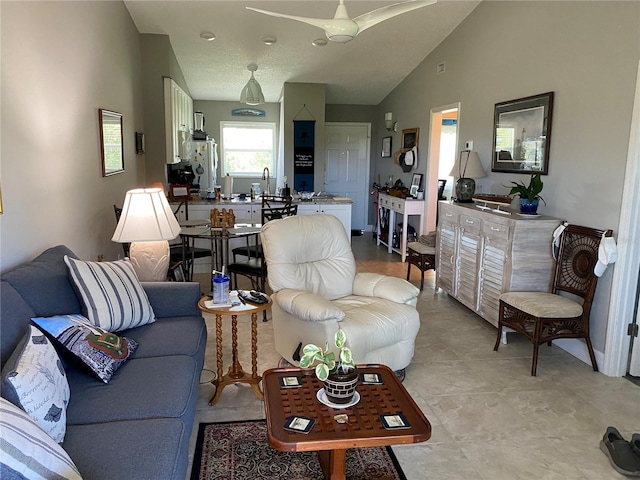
column 491, row 420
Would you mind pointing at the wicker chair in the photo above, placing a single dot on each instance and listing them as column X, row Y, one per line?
column 542, row 317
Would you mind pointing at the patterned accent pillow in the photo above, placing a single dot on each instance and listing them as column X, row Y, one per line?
column 34, row 380
column 26, row 451
column 111, row 293
column 103, row 352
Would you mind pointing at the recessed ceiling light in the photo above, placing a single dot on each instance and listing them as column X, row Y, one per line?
column 320, row 42
column 269, row 40
column 208, row 36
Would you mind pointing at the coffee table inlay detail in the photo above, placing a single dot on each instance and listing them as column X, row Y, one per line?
column 235, row 373
column 330, row 438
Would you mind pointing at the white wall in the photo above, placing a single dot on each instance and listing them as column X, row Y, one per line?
column 61, row 62
column 587, row 53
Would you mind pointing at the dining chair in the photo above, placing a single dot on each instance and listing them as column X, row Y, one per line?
column 255, row 267
column 176, row 253
column 542, row 317
column 268, row 202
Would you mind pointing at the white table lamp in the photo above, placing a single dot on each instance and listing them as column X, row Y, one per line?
column 147, row 222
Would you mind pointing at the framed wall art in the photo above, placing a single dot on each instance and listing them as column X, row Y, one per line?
column 386, row 147
column 409, row 138
column 111, row 142
column 522, row 134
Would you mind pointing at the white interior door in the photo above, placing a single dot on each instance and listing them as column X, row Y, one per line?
column 347, row 167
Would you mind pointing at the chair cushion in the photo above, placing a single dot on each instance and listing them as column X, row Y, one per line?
column 34, row 380
column 543, row 304
column 111, row 292
column 372, row 323
column 26, row 451
column 421, row 248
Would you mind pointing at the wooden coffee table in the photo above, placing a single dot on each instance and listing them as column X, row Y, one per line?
column 328, row 437
column 235, row 374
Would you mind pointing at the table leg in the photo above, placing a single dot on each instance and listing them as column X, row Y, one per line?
column 254, row 345
column 333, row 463
column 218, row 380
column 235, row 370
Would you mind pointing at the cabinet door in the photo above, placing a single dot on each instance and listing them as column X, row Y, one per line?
column 493, row 263
column 445, row 257
column 342, row 212
column 468, row 261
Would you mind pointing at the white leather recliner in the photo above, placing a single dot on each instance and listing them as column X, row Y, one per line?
column 312, row 272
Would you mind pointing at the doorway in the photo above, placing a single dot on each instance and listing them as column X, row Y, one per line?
column 347, row 167
column 443, row 146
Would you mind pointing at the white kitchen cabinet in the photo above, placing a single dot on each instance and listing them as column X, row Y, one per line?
column 399, row 206
column 481, row 254
column 178, row 119
column 340, row 210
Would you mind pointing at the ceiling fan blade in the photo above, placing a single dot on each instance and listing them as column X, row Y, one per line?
column 381, row 14
column 316, row 22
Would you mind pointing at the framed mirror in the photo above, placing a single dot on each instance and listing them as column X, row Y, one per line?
column 111, row 142
column 522, row 134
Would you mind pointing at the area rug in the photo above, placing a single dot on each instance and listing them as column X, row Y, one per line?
column 241, row 451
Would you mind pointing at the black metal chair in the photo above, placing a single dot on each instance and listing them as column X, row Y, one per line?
column 268, row 202
column 176, row 253
column 255, row 268
column 545, row 316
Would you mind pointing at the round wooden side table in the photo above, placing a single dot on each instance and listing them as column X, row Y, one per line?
column 235, row 373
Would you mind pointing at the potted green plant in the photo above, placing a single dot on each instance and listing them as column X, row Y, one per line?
column 339, row 375
column 529, row 194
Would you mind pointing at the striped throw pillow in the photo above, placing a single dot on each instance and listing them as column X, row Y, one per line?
column 112, row 296
column 26, row 451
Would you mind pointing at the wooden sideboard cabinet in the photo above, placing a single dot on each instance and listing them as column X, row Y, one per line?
column 481, row 254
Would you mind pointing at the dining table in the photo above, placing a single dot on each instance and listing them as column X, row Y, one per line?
column 219, row 240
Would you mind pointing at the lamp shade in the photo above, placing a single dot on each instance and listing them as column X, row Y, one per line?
column 146, row 216
column 252, row 92
column 468, row 166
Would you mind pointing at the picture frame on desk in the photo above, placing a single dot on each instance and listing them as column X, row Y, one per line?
column 416, row 181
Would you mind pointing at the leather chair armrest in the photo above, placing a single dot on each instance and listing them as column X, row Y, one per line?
column 383, row 286
column 308, row 306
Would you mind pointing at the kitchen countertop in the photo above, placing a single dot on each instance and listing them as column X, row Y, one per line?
column 258, row 201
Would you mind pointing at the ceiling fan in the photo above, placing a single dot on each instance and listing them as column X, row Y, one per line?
column 342, row 29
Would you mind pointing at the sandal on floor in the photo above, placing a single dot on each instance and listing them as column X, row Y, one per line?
column 620, row 454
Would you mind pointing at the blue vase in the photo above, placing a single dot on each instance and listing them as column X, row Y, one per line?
column 527, row 207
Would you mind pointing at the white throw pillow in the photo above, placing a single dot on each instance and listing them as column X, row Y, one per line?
column 34, row 380
column 112, row 296
column 26, row 451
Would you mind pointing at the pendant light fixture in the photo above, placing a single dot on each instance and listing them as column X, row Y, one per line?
column 252, row 92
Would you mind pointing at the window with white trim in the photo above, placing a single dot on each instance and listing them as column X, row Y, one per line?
column 247, row 148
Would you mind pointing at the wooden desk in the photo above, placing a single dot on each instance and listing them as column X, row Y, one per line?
column 331, row 439
column 404, row 207
column 235, row 373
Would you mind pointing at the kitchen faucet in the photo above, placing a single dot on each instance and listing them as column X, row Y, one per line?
column 267, row 177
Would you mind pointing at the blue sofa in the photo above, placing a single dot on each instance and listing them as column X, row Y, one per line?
column 138, row 425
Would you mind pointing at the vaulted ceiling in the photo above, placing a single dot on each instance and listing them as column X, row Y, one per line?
column 360, row 72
